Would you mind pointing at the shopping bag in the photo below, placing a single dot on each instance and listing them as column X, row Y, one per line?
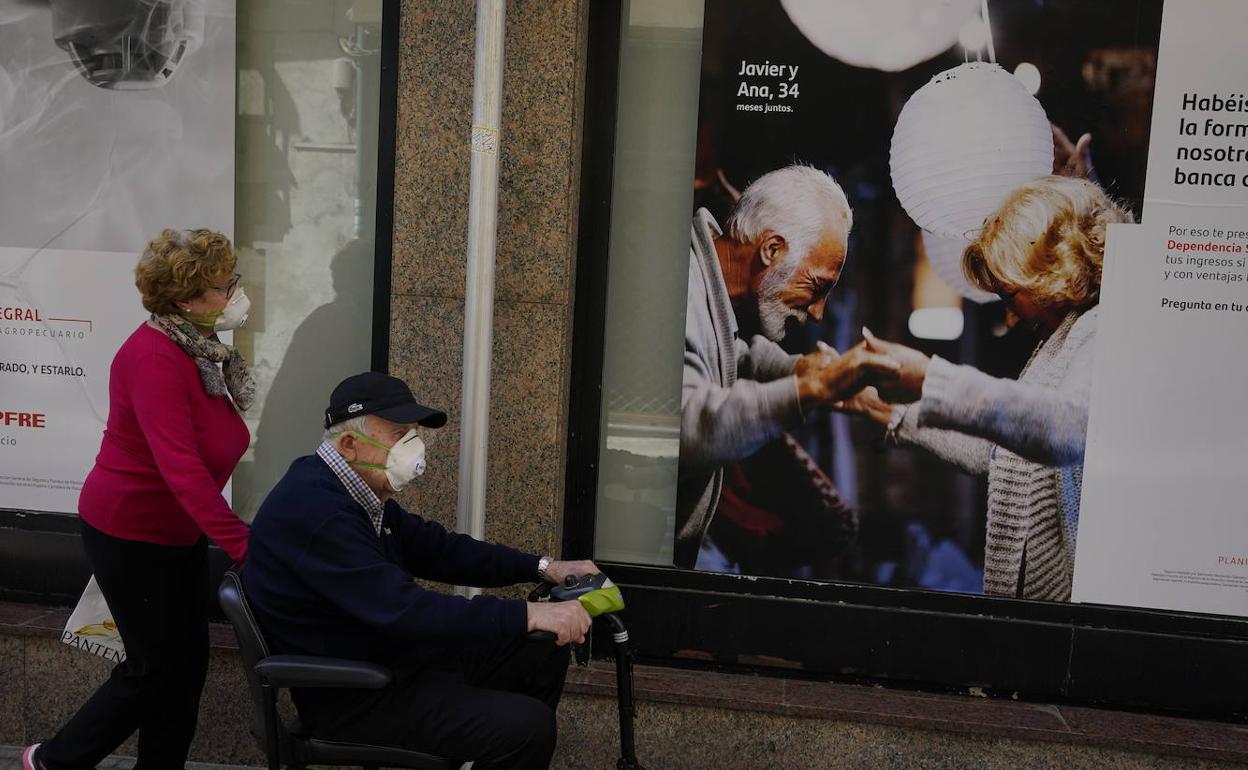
column 91, row 627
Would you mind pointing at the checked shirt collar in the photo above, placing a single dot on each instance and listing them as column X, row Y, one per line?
column 360, row 492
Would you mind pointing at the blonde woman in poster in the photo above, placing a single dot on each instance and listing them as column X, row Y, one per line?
column 153, row 499
column 1042, row 253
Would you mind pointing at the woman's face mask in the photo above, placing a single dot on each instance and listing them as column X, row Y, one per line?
column 404, row 461
column 235, row 313
column 232, row 317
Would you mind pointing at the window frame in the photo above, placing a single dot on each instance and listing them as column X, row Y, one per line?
column 1150, row 660
column 40, row 558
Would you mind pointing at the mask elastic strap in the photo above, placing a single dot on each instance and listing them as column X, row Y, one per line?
column 369, row 440
column 206, row 320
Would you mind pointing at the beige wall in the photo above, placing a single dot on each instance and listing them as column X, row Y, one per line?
column 536, row 251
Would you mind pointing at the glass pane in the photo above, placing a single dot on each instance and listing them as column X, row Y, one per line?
column 710, row 93
column 308, row 97
column 660, row 52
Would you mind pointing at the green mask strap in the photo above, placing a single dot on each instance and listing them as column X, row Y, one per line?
column 205, row 320
column 367, row 439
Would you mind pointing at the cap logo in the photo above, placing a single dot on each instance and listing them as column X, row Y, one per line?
column 354, row 408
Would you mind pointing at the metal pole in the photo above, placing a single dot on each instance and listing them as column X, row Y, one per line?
column 479, row 291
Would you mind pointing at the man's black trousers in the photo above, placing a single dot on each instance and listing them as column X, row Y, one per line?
column 490, row 703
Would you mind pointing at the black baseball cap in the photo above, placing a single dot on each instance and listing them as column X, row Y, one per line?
column 380, row 394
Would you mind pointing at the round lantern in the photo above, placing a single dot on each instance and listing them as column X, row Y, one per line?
column 945, row 257
column 889, row 35
column 962, row 143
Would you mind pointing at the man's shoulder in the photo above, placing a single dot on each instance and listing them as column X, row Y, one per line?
column 306, row 495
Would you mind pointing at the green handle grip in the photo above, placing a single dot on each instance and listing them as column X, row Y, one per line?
column 602, row 601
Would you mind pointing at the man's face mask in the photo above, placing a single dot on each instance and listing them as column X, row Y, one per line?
column 404, row 461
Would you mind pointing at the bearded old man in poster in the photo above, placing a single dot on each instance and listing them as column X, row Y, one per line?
column 783, row 251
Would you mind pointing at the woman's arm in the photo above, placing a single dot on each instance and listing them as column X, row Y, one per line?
column 163, row 409
column 1042, row 424
column 901, row 425
column 970, row 453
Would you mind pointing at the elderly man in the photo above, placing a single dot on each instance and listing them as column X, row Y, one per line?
column 783, row 252
column 330, row 569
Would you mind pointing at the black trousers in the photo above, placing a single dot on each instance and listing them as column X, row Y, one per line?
column 159, row 599
column 491, row 703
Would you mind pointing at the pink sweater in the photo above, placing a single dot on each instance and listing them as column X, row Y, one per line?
column 167, row 452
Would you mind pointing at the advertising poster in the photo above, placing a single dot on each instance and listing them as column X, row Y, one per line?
column 849, row 154
column 1164, row 521
column 116, row 121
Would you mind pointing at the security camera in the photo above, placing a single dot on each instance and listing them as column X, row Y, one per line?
column 120, row 44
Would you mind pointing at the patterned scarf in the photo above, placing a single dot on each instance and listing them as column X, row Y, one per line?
column 233, row 377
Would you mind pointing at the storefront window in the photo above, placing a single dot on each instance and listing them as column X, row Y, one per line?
column 711, row 97
column 660, row 51
column 308, row 105
column 269, row 120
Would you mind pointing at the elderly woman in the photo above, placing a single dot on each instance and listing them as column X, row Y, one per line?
column 1042, row 252
column 173, row 438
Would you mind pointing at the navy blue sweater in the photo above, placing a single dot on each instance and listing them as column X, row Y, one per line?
column 322, row 582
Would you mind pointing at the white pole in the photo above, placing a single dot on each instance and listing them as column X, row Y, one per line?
column 479, row 291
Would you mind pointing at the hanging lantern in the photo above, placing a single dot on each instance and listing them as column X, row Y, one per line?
column 945, row 257
column 962, row 143
column 889, row 35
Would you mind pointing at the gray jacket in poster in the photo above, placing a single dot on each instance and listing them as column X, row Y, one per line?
column 734, row 399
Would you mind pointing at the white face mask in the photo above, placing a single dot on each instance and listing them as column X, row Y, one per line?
column 235, row 313
column 404, row 461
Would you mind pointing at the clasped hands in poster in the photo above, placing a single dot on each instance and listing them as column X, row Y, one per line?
column 866, row 379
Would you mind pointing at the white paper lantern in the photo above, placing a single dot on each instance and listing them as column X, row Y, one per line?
column 945, row 257
column 962, row 143
column 889, row 35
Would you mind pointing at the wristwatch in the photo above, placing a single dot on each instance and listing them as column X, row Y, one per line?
column 543, row 564
column 892, row 432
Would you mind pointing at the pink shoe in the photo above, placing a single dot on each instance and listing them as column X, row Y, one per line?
column 28, row 758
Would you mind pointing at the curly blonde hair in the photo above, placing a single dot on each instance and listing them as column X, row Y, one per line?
column 1047, row 239
column 180, row 265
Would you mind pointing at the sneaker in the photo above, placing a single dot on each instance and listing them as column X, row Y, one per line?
column 28, row 758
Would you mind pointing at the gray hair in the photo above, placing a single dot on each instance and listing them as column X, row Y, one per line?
column 793, row 202
column 333, row 432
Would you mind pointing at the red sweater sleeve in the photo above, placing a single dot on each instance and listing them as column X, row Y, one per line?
column 163, row 409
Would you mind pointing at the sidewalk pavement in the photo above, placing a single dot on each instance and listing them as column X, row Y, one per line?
column 11, row 759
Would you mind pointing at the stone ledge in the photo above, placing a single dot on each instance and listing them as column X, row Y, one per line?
column 989, row 717
column 843, row 702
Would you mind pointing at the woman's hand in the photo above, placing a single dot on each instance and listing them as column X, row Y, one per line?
column 907, row 385
column 1072, row 158
column 867, row 403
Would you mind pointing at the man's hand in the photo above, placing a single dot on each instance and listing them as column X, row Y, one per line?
column 568, row 621
column 811, row 363
column 907, row 384
column 826, row 380
column 558, row 570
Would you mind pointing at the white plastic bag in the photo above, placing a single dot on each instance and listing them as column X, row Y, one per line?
column 91, row 627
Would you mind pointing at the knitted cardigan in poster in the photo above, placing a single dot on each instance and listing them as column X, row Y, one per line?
column 1028, row 436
